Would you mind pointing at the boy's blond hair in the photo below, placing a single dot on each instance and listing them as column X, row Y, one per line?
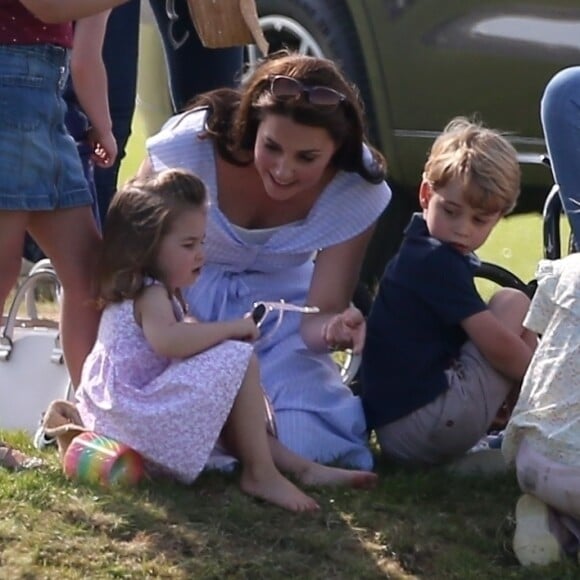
column 482, row 159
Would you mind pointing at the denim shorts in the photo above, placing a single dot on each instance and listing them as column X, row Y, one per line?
column 40, row 168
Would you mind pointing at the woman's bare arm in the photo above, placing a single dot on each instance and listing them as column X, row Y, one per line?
column 336, row 274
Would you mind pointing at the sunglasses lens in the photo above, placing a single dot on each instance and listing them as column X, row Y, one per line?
column 288, row 88
column 285, row 88
column 324, row 97
column 259, row 314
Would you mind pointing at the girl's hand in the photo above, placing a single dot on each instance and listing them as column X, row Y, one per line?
column 104, row 147
column 245, row 329
column 345, row 330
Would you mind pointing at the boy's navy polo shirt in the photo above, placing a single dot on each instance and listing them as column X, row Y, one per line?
column 413, row 330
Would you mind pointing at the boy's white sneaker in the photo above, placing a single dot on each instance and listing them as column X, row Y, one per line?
column 534, row 542
column 484, row 458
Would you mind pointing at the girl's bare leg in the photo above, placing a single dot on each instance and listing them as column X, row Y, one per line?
column 69, row 237
column 12, row 229
column 245, row 435
column 311, row 473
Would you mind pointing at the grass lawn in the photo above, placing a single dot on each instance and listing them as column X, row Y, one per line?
column 415, row 524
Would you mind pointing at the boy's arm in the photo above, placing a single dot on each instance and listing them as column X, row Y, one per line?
column 56, row 11
column 89, row 79
column 502, row 348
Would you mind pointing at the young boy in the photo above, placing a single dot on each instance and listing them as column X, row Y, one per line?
column 439, row 362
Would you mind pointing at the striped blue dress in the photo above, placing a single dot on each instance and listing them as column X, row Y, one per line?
column 316, row 415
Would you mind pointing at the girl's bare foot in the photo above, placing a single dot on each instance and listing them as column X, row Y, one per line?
column 275, row 488
column 317, row 474
column 15, row 460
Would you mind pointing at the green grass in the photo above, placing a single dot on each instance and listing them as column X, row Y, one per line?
column 516, row 244
column 416, row 524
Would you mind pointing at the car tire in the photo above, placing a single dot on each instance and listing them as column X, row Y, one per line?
column 321, row 28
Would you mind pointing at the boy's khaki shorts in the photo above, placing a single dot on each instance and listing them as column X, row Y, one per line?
column 456, row 420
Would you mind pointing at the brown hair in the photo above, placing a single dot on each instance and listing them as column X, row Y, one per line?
column 484, row 161
column 235, row 115
column 140, row 215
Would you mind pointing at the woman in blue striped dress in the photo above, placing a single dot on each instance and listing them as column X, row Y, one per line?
column 295, row 193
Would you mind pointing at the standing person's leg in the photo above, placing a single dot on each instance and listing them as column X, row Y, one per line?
column 193, row 69
column 42, row 181
column 70, row 238
column 560, row 115
column 120, row 53
column 12, row 231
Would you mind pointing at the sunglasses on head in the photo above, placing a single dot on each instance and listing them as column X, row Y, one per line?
column 285, row 88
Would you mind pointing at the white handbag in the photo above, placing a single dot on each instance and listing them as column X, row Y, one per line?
column 32, row 369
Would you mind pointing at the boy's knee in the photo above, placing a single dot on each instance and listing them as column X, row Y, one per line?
column 509, row 304
column 508, row 296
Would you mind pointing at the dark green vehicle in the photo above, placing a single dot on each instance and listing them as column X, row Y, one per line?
column 418, row 63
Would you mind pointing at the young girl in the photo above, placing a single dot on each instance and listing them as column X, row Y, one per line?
column 543, row 435
column 170, row 386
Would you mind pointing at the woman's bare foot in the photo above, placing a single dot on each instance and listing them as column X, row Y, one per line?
column 275, row 488
column 317, row 474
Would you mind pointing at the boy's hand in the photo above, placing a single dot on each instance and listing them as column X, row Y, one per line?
column 104, row 147
column 245, row 329
column 346, row 330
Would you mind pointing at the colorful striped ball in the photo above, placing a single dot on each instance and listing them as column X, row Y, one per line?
column 94, row 458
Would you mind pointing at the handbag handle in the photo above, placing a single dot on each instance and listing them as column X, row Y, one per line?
column 7, row 336
column 44, row 264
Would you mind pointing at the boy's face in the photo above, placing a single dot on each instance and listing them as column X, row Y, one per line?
column 450, row 219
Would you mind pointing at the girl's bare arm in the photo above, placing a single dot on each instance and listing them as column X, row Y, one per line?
column 57, row 11
column 89, row 78
column 180, row 339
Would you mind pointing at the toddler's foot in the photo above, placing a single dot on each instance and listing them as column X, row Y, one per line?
column 317, row 474
column 275, row 488
column 534, row 541
column 15, row 460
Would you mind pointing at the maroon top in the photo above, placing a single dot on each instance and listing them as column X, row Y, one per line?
column 19, row 26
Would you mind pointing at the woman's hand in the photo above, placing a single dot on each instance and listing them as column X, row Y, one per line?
column 345, row 330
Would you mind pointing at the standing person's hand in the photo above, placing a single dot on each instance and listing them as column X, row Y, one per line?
column 104, row 147
column 346, row 330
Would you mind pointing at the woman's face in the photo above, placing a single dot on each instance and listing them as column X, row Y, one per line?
column 292, row 159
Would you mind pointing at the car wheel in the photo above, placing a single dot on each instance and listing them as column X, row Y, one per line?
column 320, row 28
